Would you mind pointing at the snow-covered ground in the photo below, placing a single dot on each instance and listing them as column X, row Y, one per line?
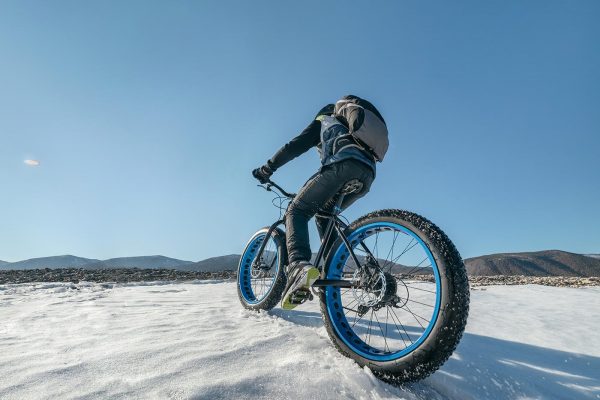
column 193, row 340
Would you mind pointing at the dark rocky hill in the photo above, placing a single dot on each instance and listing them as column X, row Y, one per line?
column 156, row 262
column 221, row 263
column 65, row 261
column 539, row 263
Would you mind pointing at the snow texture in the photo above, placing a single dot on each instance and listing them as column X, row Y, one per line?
column 194, row 340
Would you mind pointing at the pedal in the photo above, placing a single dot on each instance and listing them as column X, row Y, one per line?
column 301, row 296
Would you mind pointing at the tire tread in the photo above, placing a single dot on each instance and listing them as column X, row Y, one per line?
column 426, row 359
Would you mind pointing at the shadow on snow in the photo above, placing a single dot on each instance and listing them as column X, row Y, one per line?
column 483, row 367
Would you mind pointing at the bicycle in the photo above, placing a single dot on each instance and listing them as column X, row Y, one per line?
column 401, row 318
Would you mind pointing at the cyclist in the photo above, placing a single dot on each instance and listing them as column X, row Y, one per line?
column 344, row 157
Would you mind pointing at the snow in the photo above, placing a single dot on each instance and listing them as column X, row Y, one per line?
column 193, row 340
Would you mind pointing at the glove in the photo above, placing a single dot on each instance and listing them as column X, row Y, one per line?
column 262, row 174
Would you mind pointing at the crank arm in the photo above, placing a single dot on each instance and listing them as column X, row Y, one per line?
column 335, row 283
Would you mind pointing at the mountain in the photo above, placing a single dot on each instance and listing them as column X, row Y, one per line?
column 139, row 262
column 231, row 261
column 539, row 263
column 68, row 261
column 221, row 263
column 65, row 261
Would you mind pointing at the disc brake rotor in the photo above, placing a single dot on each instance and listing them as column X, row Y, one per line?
column 371, row 291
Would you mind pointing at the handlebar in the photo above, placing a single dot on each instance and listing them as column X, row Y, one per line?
column 269, row 185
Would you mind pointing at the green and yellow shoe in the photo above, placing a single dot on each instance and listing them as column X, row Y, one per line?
column 297, row 290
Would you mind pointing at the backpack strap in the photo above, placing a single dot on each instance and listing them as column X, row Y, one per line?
column 348, row 104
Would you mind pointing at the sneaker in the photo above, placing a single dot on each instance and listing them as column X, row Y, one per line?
column 300, row 279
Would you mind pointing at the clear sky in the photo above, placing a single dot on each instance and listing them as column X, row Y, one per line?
column 147, row 118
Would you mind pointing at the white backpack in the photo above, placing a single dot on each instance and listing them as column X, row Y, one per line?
column 365, row 124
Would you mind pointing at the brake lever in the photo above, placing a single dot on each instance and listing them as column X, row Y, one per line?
column 266, row 186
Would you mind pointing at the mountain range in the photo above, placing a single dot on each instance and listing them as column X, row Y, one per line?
column 69, row 261
column 539, row 263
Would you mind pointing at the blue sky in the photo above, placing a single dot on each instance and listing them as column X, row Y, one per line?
column 147, row 118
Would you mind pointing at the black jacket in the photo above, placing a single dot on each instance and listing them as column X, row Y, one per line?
column 307, row 139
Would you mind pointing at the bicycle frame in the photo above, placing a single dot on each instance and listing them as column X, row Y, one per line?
column 335, row 223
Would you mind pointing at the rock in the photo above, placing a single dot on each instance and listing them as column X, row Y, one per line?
column 118, row 275
column 560, row 281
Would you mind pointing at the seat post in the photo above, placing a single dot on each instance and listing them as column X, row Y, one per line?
column 330, row 226
column 337, row 209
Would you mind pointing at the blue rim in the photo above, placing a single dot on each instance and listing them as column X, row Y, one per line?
column 333, row 296
column 244, row 277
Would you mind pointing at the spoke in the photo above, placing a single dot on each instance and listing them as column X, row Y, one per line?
column 414, row 269
column 350, row 309
column 418, row 302
column 355, row 320
column 387, row 314
column 384, row 335
column 350, row 269
column 391, row 251
column 369, row 331
column 406, row 249
column 403, row 328
column 353, row 300
column 415, row 315
column 419, row 265
column 398, row 328
column 416, row 288
column 272, row 263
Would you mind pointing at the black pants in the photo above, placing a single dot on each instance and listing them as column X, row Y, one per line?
column 320, row 193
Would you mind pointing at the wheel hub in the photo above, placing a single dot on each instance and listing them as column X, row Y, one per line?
column 391, row 286
column 378, row 291
column 259, row 268
column 371, row 288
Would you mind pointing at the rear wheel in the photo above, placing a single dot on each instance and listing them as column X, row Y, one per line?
column 408, row 309
column 261, row 277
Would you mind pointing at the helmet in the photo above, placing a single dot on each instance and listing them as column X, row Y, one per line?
column 327, row 110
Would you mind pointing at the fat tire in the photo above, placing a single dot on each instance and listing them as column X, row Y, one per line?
column 274, row 296
column 452, row 316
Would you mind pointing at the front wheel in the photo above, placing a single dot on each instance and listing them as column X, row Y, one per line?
column 261, row 277
column 408, row 307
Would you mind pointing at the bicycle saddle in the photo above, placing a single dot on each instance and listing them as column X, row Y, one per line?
column 352, row 186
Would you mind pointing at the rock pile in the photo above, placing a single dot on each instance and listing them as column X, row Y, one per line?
column 118, row 275
column 124, row 275
column 563, row 281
